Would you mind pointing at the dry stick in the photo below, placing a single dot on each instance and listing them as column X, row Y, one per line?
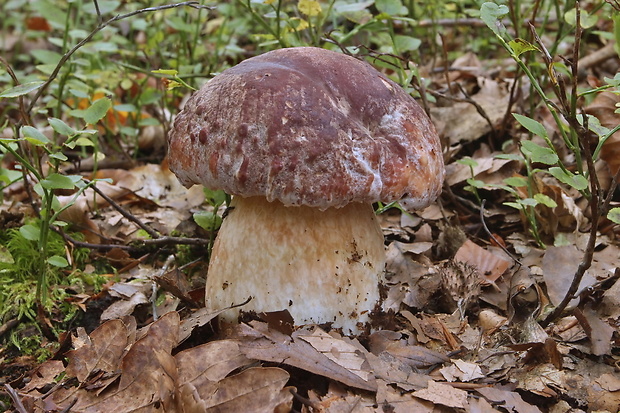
column 157, row 238
column 466, row 99
column 595, row 206
column 15, row 397
column 16, row 81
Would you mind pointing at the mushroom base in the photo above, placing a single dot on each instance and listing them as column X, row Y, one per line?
column 321, row 266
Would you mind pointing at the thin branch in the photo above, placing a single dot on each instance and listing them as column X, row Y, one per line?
column 152, row 233
column 15, row 398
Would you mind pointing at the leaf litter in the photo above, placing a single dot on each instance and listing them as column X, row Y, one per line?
column 460, row 325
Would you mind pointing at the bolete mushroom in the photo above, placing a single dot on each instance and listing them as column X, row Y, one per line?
column 305, row 139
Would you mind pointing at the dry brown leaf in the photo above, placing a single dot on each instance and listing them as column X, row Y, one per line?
column 145, row 380
column 542, row 380
column 394, row 371
column 103, row 351
column 44, row 375
column 492, row 97
column 489, row 169
column 559, row 265
column 490, row 265
column 197, row 319
column 609, row 382
column 257, row 389
column 204, row 366
column 410, row 282
column 508, row 399
column 417, row 356
column 393, row 400
column 480, row 405
column 340, row 400
column 462, row 371
column 598, row 331
column 444, row 394
column 490, row 321
column 271, row 345
column 338, row 351
column 611, row 302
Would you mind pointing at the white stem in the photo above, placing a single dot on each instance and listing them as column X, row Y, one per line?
column 321, row 266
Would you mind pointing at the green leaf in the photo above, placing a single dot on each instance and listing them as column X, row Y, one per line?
column 530, row 124
column 509, row 156
column 58, row 181
column 58, row 261
column 30, row 232
column 586, row 20
column 476, row 183
column 58, row 155
column 614, row 215
column 406, row 43
column 516, row 181
column 390, row 7
column 8, row 175
column 215, row 198
column 208, row 220
column 34, row 136
column 84, row 141
column 514, row 205
column 578, row 182
column 46, row 57
column 21, row 90
column 520, row 46
column 61, row 127
column 545, row 200
column 97, row 110
column 491, row 15
column 539, row 153
column 467, row 161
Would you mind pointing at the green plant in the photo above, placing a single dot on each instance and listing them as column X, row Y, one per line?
column 70, row 102
column 572, row 125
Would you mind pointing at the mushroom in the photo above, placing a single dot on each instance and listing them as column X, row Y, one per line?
column 305, row 139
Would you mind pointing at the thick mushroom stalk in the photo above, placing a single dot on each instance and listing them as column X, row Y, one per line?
column 321, row 266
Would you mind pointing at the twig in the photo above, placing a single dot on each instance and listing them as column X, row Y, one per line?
column 598, row 57
column 16, row 81
column 4, row 328
column 499, row 244
column 162, row 271
column 15, row 398
column 152, row 233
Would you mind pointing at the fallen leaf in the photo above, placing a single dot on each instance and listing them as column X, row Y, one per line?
column 443, row 394
column 273, row 346
column 259, row 389
column 394, row 400
column 507, row 399
column 462, row 371
column 559, row 265
column 102, row 352
column 337, row 350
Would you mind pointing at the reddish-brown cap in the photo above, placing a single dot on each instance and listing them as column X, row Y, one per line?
column 307, row 126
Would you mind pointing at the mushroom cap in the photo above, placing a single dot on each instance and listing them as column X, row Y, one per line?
column 308, row 126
